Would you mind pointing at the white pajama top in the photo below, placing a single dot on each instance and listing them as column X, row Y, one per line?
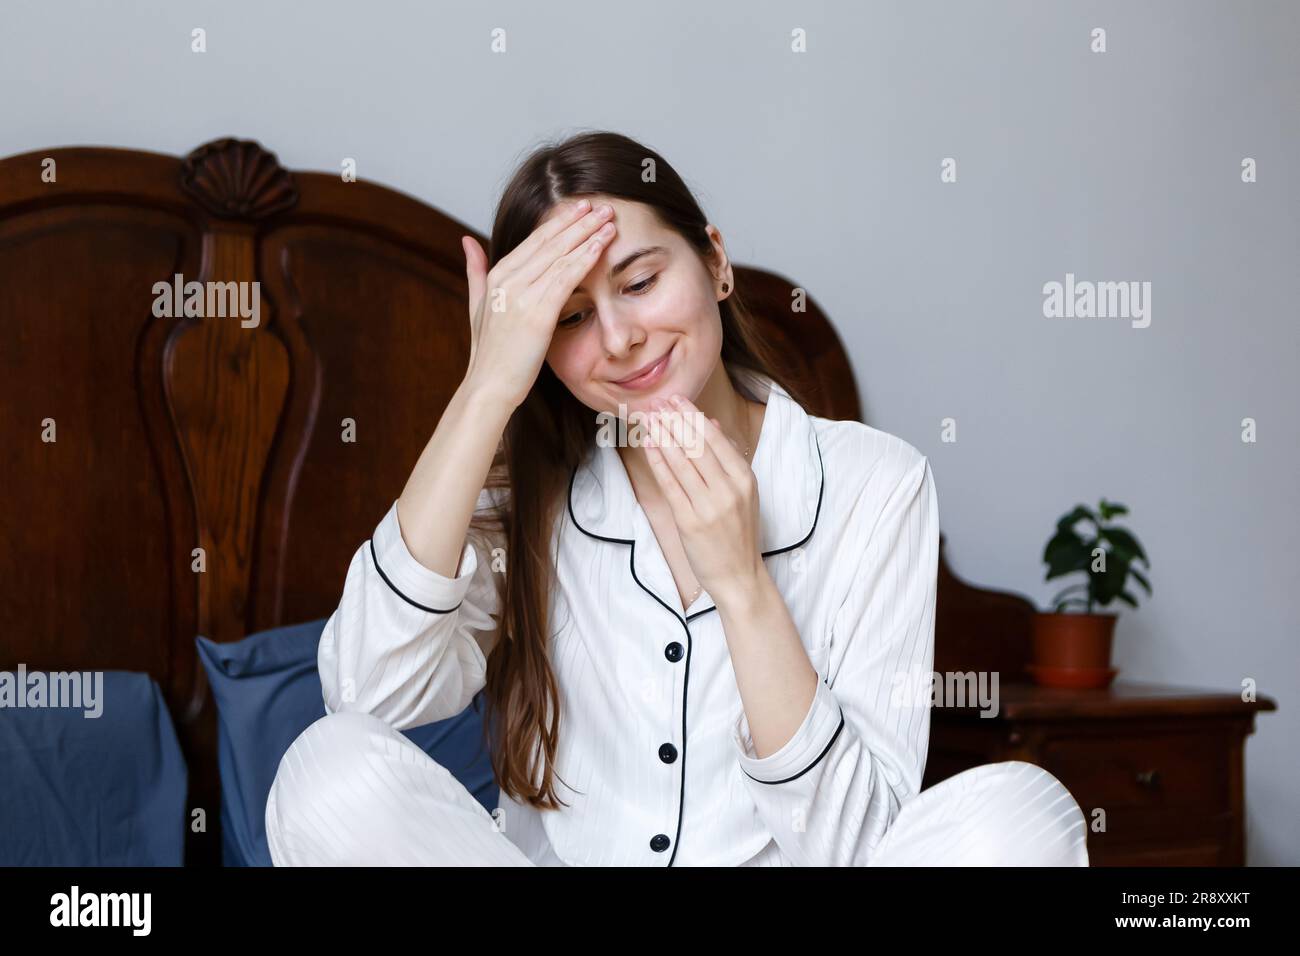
column 655, row 760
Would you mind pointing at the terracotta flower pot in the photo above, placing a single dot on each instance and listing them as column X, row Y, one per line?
column 1073, row 650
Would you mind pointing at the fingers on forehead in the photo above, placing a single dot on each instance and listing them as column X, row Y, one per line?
column 567, row 208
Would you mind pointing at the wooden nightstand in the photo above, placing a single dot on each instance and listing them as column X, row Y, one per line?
column 1165, row 764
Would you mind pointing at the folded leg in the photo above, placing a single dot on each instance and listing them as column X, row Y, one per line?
column 1011, row 813
column 353, row 791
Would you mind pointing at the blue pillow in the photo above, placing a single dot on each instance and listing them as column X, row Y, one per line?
column 83, row 790
column 268, row 691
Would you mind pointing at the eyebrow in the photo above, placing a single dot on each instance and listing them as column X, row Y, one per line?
column 626, row 262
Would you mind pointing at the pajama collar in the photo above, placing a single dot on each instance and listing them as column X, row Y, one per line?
column 787, row 464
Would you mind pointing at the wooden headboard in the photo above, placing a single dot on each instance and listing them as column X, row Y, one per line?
column 175, row 433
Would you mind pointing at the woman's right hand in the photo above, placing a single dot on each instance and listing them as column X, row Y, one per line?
column 514, row 308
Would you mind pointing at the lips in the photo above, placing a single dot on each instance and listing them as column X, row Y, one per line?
column 647, row 373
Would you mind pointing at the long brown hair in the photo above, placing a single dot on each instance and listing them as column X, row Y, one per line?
column 549, row 434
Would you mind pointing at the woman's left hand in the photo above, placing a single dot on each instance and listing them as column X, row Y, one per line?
column 713, row 494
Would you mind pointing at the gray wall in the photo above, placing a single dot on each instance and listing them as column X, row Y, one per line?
column 825, row 166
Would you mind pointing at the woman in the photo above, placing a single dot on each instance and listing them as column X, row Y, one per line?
column 715, row 617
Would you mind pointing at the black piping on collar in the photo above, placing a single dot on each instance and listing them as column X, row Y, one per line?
column 821, row 491
column 431, row 610
column 685, row 622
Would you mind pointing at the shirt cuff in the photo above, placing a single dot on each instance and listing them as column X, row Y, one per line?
column 413, row 582
column 810, row 743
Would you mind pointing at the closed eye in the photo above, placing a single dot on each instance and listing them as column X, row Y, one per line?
column 638, row 288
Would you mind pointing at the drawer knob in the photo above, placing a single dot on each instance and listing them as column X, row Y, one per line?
column 1148, row 778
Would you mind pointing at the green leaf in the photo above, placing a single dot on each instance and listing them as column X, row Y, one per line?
column 1068, row 552
column 1118, row 548
column 1123, row 540
column 1065, row 553
column 1068, row 521
column 1110, row 509
column 1140, row 578
column 1106, row 585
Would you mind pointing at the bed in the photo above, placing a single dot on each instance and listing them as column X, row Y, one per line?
column 178, row 486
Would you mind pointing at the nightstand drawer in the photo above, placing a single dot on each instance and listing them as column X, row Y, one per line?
column 1157, row 770
column 1154, row 770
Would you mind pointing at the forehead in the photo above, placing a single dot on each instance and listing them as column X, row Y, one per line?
column 635, row 221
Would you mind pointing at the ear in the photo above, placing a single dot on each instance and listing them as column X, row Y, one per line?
column 721, row 265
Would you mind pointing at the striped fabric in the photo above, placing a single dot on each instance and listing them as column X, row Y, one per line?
column 655, row 760
column 352, row 791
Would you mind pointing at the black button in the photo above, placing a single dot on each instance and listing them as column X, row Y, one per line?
column 659, row 842
column 674, row 652
column 667, row 753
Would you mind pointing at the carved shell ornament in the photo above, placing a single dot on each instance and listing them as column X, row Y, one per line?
column 238, row 179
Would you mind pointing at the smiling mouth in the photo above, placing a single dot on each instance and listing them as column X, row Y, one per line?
column 648, row 375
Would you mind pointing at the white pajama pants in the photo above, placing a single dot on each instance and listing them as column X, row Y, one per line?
column 352, row 790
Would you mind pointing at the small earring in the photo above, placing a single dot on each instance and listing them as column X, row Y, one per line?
column 725, row 287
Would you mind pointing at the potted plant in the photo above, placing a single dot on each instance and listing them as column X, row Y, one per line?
column 1072, row 648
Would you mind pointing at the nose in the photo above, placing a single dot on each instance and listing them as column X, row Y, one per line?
column 620, row 331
